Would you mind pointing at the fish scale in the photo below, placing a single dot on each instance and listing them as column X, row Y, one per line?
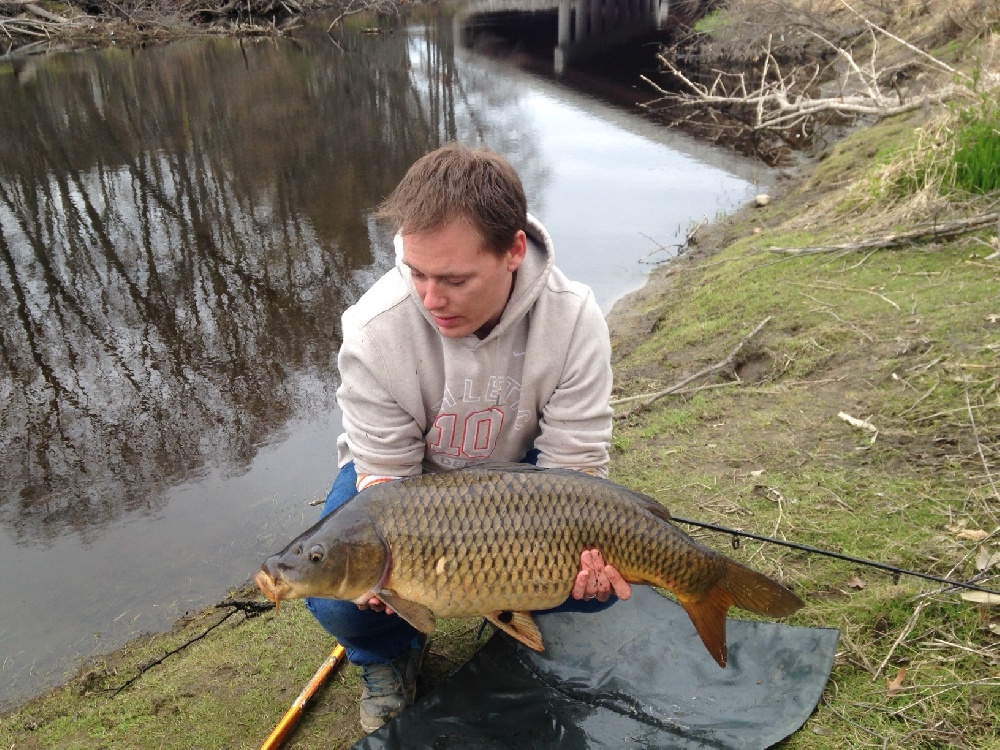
column 489, row 532
column 502, row 541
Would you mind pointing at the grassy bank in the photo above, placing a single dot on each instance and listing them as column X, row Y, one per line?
column 903, row 338
column 907, row 340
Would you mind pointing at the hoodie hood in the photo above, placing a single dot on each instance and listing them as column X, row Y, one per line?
column 529, row 281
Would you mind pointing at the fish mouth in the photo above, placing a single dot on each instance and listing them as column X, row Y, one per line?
column 271, row 587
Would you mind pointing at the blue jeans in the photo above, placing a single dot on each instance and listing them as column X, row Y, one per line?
column 371, row 637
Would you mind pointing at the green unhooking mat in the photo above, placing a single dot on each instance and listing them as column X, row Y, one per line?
column 633, row 676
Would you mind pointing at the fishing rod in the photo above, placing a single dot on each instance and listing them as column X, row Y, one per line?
column 896, row 572
column 293, row 714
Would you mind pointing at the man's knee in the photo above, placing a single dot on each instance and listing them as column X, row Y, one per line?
column 343, row 489
column 339, row 618
column 345, row 621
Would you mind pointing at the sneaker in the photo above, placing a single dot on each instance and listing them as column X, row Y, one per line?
column 389, row 688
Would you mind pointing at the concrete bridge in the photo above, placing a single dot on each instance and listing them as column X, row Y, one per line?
column 585, row 27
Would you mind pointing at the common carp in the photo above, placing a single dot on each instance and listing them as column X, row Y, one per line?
column 501, row 541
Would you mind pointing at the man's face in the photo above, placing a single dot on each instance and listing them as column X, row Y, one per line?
column 463, row 286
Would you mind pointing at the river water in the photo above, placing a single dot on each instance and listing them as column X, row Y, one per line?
column 180, row 229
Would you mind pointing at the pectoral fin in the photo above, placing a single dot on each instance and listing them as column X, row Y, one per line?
column 417, row 615
column 518, row 625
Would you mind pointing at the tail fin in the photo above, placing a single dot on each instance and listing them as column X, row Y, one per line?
column 741, row 587
column 757, row 593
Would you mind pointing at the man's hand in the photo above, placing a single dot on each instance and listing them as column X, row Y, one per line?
column 596, row 580
column 378, row 605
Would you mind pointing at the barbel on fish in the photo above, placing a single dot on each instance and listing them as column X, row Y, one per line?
column 501, row 541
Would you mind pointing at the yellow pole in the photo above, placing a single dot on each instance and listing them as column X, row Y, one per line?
column 293, row 714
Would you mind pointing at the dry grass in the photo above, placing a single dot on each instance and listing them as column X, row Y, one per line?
column 744, row 27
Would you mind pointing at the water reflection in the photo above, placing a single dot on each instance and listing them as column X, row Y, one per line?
column 179, row 228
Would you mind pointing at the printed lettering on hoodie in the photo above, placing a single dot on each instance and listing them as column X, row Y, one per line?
column 468, row 425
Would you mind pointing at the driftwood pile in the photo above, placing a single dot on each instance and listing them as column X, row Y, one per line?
column 26, row 21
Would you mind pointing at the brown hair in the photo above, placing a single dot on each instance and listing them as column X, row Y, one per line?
column 457, row 182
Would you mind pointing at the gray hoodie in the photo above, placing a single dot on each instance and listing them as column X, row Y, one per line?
column 415, row 401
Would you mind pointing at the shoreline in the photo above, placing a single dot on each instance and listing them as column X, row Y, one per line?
column 75, row 26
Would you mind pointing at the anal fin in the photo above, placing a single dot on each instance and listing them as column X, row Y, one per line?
column 520, row 626
column 417, row 615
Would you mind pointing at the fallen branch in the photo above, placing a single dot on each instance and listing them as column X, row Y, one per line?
column 840, row 287
column 930, row 58
column 727, row 362
column 26, row 26
column 42, row 13
column 688, row 239
column 923, row 234
column 791, row 105
column 777, row 107
column 361, row 6
column 862, row 424
column 682, row 392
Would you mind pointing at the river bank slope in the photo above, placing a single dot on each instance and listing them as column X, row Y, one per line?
column 861, row 414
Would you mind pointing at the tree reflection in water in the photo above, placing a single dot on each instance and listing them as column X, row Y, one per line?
column 180, row 228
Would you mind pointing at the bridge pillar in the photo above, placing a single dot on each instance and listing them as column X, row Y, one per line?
column 583, row 28
column 565, row 11
column 580, row 19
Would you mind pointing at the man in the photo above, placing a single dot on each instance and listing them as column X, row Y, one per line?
column 473, row 348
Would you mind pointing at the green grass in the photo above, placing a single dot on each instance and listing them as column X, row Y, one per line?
column 977, row 149
column 713, row 22
column 957, row 154
column 907, row 339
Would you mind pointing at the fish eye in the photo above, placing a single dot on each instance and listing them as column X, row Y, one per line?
column 317, row 553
